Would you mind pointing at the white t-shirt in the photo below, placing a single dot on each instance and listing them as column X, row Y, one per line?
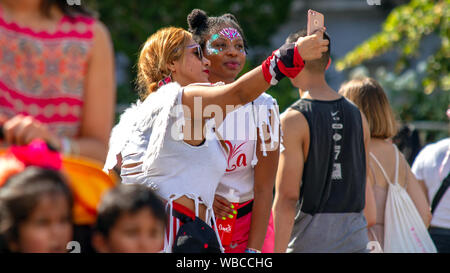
column 239, row 130
column 432, row 165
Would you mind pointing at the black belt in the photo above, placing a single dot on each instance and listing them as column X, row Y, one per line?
column 181, row 216
column 245, row 210
column 240, row 213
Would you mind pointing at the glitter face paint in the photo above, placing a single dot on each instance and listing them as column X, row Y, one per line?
column 228, row 33
column 209, row 49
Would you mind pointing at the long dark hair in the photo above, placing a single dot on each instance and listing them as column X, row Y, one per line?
column 66, row 8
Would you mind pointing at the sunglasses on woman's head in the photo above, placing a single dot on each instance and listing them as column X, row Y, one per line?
column 198, row 52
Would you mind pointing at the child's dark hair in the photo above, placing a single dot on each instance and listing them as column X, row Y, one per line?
column 201, row 25
column 21, row 194
column 127, row 199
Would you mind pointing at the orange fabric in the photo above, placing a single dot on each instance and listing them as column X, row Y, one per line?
column 88, row 183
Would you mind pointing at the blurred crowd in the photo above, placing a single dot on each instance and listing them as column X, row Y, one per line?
column 319, row 183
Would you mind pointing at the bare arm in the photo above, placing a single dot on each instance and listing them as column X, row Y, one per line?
column 370, row 209
column 248, row 87
column 265, row 172
column 99, row 97
column 288, row 178
column 424, row 188
column 418, row 196
column 417, row 170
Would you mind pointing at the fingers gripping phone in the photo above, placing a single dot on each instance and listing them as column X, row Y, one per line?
column 315, row 21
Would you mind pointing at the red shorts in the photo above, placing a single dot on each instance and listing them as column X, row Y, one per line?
column 241, row 231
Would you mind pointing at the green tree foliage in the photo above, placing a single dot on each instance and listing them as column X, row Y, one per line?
column 404, row 29
column 406, row 94
column 132, row 22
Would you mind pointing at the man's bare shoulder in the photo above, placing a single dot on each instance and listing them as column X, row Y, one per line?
column 293, row 117
column 293, row 122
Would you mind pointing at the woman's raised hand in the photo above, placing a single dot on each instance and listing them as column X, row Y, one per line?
column 312, row 46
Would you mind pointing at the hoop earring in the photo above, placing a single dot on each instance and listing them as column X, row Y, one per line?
column 166, row 80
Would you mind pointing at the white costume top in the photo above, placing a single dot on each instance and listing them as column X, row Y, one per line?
column 239, row 130
column 149, row 134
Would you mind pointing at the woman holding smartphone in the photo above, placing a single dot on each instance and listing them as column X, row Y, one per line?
column 161, row 141
column 251, row 166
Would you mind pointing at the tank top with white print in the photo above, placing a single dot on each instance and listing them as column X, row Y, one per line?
column 239, row 130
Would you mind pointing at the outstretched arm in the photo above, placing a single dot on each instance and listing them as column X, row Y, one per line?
column 248, row 87
column 288, row 178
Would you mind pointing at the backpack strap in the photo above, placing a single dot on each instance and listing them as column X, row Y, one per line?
column 396, row 163
column 440, row 193
column 380, row 167
column 395, row 182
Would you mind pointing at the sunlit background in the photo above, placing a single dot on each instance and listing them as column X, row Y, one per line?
column 403, row 44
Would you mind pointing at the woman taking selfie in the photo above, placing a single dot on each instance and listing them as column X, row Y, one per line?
column 161, row 142
column 251, row 167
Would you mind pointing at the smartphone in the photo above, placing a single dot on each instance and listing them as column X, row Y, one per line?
column 315, row 21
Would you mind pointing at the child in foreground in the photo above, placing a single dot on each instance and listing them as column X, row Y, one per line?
column 35, row 212
column 131, row 219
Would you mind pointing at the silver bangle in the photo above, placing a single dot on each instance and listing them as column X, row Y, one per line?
column 251, row 250
column 66, row 146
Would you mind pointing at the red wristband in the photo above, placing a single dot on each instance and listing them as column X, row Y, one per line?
column 286, row 61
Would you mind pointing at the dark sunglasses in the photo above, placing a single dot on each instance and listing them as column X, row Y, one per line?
column 199, row 52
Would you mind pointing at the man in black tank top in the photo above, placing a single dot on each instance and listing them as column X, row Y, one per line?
column 321, row 193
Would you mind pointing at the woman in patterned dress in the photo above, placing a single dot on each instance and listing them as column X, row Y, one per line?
column 56, row 77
